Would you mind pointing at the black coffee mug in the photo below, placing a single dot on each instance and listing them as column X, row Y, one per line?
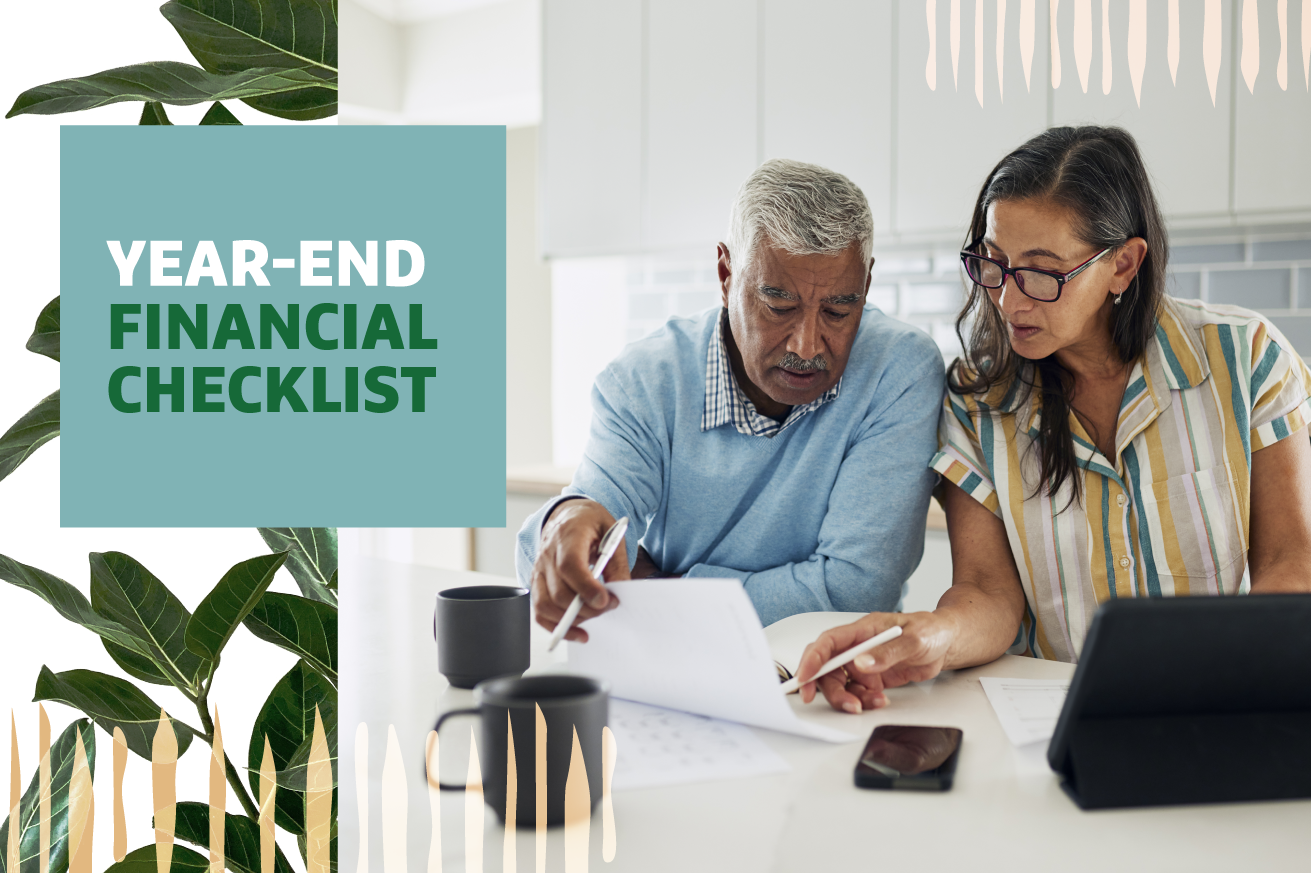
column 568, row 704
column 482, row 632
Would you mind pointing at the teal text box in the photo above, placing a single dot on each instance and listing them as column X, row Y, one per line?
column 440, row 188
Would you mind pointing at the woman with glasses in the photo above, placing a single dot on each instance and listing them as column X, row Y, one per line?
column 1099, row 439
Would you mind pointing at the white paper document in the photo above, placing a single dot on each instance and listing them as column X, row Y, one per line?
column 1026, row 708
column 667, row 747
column 690, row 644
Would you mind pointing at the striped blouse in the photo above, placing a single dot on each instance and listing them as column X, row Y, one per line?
column 1169, row 514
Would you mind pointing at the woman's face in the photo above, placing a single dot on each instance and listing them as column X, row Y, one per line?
column 1039, row 234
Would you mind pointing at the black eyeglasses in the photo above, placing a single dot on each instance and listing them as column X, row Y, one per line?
column 1041, row 285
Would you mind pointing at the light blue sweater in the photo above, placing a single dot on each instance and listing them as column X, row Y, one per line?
column 826, row 515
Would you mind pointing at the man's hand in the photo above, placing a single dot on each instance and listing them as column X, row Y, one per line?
column 916, row 655
column 569, row 545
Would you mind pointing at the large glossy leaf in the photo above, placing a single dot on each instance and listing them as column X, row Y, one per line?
column 45, row 336
column 70, row 603
column 126, row 592
column 219, row 114
column 287, row 719
column 137, row 666
column 39, row 426
column 111, row 703
column 163, row 81
column 228, row 36
column 312, row 558
column 143, row 860
column 240, row 838
column 153, row 113
column 29, row 809
column 230, row 601
column 298, row 624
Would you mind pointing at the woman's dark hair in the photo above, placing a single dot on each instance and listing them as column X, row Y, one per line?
column 1098, row 176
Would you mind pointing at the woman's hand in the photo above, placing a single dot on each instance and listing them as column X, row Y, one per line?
column 918, row 654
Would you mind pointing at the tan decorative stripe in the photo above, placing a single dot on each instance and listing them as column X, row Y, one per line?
column 473, row 809
column 509, row 856
column 43, row 749
column 81, row 811
column 120, row 816
column 577, row 812
column 218, row 800
column 540, row 749
column 268, row 794
column 318, row 801
column 15, row 794
column 394, row 806
column 164, row 771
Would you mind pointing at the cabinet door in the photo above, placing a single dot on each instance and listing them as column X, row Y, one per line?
column 950, row 136
column 1272, row 125
column 1184, row 139
column 701, row 136
column 591, row 146
column 826, row 91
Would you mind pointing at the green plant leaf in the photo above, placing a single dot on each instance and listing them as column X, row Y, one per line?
column 39, row 426
column 45, row 336
column 332, row 583
column 29, row 808
column 287, row 719
column 219, row 114
column 111, row 703
column 241, row 850
column 153, row 113
column 69, row 603
column 164, row 81
column 136, row 666
column 230, row 601
column 126, row 592
column 298, row 624
column 143, row 860
column 228, row 36
column 312, row 560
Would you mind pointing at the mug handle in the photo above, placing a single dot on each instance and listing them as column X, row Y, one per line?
column 438, row 727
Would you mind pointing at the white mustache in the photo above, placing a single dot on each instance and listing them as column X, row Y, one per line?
column 796, row 363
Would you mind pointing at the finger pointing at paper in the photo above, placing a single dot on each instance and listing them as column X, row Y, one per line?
column 917, row 654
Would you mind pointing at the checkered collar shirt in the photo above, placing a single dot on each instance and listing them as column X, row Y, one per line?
column 726, row 404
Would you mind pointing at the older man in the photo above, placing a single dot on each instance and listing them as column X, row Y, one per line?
column 782, row 439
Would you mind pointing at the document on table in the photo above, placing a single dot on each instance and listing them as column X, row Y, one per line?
column 667, row 747
column 1026, row 708
column 694, row 645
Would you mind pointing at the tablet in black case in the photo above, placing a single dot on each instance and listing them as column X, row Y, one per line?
column 1189, row 700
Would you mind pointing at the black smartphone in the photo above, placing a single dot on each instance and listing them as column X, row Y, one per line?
column 909, row 757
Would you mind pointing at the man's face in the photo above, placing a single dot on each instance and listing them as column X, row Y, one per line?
column 793, row 319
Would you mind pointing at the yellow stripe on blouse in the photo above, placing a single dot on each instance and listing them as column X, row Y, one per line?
column 1168, row 516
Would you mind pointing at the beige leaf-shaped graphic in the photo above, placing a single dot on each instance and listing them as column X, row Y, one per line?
column 318, row 801
column 432, row 759
column 1028, row 26
column 1250, row 60
column 394, row 806
column 163, row 777
column 120, row 815
column 15, row 795
column 539, row 750
column 954, row 27
column 81, row 811
column 577, row 812
column 1056, row 46
column 1211, row 44
column 218, row 799
column 1137, row 46
column 1281, row 67
column 509, row 849
column 978, row 51
column 1001, row 47
column 609, row 756
column 473, row 809
column 1083, row 40
column 1172, row 41
column 43, row 749
column 1106, row 47
column 931, row 66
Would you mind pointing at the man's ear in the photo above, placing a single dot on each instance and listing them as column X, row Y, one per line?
column 725, row 268
column 869, row 275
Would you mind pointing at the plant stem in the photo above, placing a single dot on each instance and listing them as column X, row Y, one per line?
column 233, row 775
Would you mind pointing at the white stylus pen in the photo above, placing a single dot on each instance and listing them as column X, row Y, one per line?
column 846, row 657
column 609, row 544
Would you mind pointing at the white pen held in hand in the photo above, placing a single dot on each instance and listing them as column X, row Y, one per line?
column 609, row 544
column 846, row 657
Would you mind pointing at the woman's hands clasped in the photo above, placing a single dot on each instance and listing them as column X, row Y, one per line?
column 918, row 654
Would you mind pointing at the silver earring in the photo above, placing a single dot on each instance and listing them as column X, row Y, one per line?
column 1118, row 296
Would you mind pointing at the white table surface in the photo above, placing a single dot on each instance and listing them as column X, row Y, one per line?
column 1006, row 811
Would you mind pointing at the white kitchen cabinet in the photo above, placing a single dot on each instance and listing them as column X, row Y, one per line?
column 1272, row 129
column 947, row 138
column 701, row 114
column 591, row 137
column 826, row 91
column 1184, row 139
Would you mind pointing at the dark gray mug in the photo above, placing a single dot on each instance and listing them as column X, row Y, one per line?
column 568, row 704
column 482, row 632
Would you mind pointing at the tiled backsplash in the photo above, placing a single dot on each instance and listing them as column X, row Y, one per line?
column 1268, row 270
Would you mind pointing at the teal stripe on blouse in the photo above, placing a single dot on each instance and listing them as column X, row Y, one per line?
column 1144, row 529
column 1242, row 418
column 1175, row 367
column 1106, row 541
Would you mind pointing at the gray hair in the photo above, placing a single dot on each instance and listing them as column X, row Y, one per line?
column 802, row 209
